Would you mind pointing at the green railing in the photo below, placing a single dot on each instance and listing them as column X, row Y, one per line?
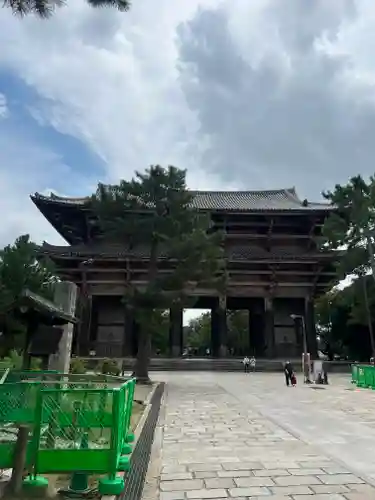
column 72, row 379
column 363, row 376
column 77, row 423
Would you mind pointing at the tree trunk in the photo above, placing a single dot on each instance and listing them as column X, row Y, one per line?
column 144, row 338
column 26, row 358
column 368, row 315
column 143, row 357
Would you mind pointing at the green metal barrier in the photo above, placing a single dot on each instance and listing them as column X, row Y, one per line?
column 354, row 374
column 363, row 376
column 369, row 376
column 74, row 426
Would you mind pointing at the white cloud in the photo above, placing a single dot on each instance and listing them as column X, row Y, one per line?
column 248, row 95
column 3, row 106
column 110, row 77
column 281, row 93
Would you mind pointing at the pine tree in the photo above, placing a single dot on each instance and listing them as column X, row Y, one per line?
column 351, row 229
column 153, row 214
column 45, row 8
column 20, row 270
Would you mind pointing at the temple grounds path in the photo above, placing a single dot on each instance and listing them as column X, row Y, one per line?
column 224, row 435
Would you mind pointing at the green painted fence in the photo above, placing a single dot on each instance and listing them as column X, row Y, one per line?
column 77, row 423
column 363, row 376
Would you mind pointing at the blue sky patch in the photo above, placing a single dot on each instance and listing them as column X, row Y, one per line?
column 78, row 161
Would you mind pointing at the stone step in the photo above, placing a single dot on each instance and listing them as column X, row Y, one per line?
column 226, row 365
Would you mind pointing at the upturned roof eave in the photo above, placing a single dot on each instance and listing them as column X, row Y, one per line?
column 83, row 204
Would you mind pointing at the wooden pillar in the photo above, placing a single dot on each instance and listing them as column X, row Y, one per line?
column 250, row 334
column 128, row 349
column 219, row 328
column 84, row 313
column 214, row 349
column 175, row 331
column 135, row 335
column 312, row 346
column 269, row 327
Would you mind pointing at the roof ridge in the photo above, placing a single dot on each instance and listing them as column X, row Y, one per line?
column 238, row 191
column 292, row 191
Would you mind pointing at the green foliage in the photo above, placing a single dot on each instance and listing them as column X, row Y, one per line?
column 352, row 227
column 13, row 360
column 157, row 322
column 45, row 8
column 78, row 366
column 342, row 320
column 109, row 367
column 153, row 214
column 35, row 363
column 198, row 332
column 19, row 269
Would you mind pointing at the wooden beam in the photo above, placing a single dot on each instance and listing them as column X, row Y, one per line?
column 270, row 271
column 283, row 260
column 267, row 235
column 232, row 283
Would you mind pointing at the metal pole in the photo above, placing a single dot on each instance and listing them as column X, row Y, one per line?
column 306, row 367
column 304, row 335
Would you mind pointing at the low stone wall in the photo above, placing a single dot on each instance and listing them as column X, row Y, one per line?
column 222, row 364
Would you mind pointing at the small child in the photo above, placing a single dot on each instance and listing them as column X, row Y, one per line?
column 293, row 379
column 252, row 363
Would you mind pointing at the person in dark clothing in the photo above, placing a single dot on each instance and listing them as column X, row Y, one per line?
column 288, row 370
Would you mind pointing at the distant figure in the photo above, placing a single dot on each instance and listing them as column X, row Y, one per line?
column 246, row 364
column 288, row 371
column 252, row 363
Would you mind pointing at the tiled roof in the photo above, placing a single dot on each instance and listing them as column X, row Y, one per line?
column 121, row 251
column 44, row 305
column 272, row 200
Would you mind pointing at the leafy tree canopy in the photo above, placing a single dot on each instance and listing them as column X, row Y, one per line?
column 45, row 8
column 19, row 269
column 351, row 228
column 342, row 320
column 198, row 332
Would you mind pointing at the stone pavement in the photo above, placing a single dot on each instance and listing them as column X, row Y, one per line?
column 222, row 439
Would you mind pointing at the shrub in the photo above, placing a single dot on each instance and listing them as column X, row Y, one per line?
column 12, row 361
column 109, row 367
column 78, row 366
column 35, row 364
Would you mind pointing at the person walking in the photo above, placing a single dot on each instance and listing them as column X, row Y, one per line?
column 246, row 364
column 252, row 363
column 288, row 371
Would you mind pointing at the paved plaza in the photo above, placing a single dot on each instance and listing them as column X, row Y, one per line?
column 234, row 435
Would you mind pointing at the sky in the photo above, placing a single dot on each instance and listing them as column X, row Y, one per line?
column 243, row 94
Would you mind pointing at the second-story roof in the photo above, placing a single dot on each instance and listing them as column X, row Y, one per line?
column 238, row 201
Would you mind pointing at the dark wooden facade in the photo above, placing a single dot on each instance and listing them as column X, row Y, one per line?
column 274, row 267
